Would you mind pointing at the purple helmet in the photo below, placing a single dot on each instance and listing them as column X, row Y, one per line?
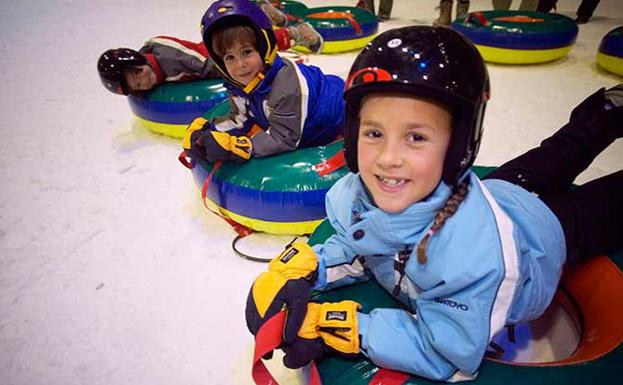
column 226, row 13
column 431, row 62
column 112, row 65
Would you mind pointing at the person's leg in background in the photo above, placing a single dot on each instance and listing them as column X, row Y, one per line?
column 445, row 13
column 528, row 5
column 462, row 8
column 546, row 5
column 501, row 4
column 585, row 11
column 385, row 9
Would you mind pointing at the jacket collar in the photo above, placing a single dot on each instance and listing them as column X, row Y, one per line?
column 400, row 228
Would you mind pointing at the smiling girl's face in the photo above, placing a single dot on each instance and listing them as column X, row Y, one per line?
column 401, row 148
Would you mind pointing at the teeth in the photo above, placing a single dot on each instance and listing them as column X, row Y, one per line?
column 391, row 182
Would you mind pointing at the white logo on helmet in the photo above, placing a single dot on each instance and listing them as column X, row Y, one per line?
column 393, row 43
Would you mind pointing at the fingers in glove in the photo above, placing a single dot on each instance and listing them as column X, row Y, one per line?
column 296, row 299
column 254, row 319
column 302, row 352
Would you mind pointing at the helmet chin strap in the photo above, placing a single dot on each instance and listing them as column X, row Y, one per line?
column 253, row 83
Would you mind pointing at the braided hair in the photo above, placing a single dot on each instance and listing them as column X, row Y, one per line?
column 458, row 195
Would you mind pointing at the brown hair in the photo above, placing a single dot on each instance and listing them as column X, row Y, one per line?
column 458, row 195
column 226, row 37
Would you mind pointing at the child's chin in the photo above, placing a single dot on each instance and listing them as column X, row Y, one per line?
column 392, row 207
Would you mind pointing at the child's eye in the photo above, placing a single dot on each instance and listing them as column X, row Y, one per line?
column 247, row 52
column 415, row 137
column 372, row 134
column 228, row 58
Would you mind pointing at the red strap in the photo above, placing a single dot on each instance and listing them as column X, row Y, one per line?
column 335, row 162
column 183, row 158
column 478, row 16
column 389, row 377
column 240, row 229
column 268, row 338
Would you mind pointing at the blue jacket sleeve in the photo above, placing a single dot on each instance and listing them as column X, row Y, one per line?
column 337, row 266
column 445, row 340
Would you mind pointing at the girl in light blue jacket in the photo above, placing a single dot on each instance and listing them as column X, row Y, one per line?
column 466, row 257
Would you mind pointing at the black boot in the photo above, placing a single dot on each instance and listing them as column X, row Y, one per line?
column 552, row 167
column 445, row 14
column 385, row 9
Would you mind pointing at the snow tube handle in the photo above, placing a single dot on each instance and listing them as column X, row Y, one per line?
column 477, row 18
column 337, row 15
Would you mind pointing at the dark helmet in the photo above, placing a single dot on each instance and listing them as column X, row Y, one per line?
column 112, row 65
column 225, row 13
column 431, row 62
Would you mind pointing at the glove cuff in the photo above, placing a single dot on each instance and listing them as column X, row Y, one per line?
column 297, row 261
column 336, row 323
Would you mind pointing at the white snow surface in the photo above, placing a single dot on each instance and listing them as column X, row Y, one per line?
column 111, row 270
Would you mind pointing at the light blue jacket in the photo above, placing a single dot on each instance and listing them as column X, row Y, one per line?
column 496, row 261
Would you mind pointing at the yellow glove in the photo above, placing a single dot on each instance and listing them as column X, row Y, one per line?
column 196, row 125
column 328, row 328
column 287, row 283
column 222, row 146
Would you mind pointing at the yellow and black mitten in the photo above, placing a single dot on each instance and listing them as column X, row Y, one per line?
column 191, row 143
column 328, row 328
column 286, row 285
column 222, row 146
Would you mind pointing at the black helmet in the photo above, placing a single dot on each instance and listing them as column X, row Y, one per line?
column 112, row 65
column 431, row 62
column 226, row 13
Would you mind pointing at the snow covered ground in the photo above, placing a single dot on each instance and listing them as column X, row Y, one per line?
column 111, row 271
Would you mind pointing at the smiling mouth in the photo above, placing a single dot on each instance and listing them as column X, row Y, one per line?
column 391, row 182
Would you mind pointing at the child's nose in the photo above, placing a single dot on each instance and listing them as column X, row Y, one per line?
column 390, row 155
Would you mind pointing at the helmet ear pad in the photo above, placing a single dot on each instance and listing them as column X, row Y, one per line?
column 351, row 135
column 464, row 141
